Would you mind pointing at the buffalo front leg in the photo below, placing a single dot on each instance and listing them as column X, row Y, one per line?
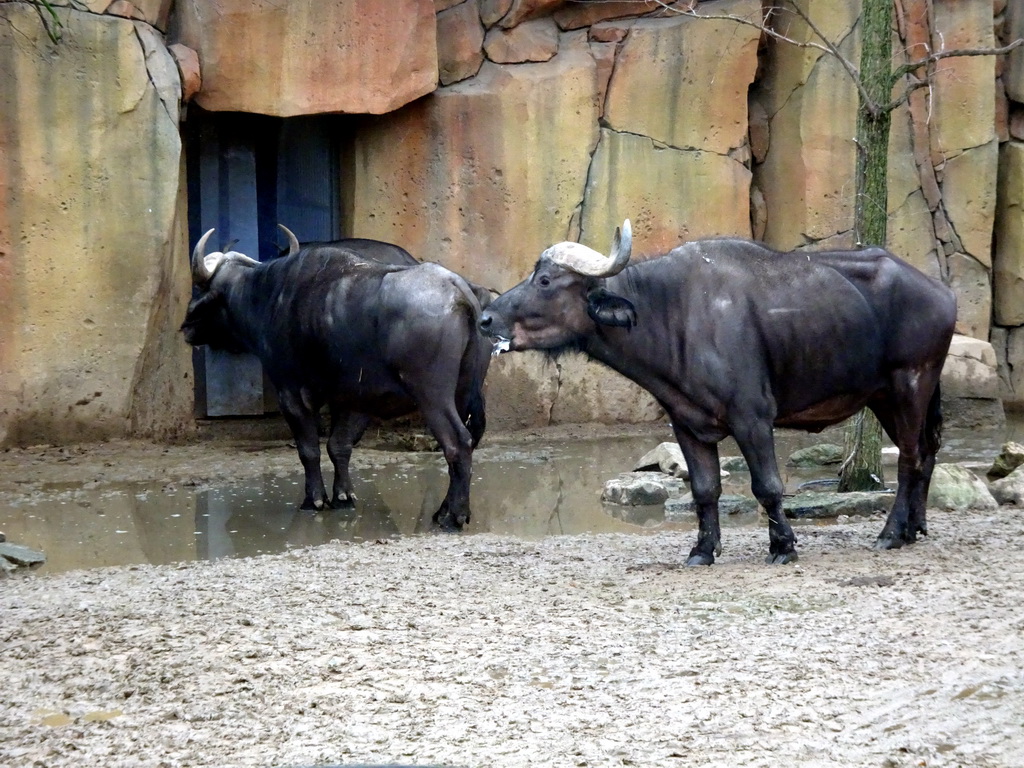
column 757, row 444
column 346, row 429
column 301, row 417
column 706, row 487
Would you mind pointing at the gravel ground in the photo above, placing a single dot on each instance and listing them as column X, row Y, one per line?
column 596, row 650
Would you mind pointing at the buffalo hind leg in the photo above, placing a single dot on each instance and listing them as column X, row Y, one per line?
column 469, row 395
column 457, row 446
column 302, row 419
column 475, row 416
column 346, row 429
column 706, row 487
column 914, row 425
column 757, row 444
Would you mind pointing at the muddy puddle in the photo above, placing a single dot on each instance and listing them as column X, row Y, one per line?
column 530, row 490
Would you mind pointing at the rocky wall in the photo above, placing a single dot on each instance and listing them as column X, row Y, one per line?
column 489, row 129
column 1008, row 256
column 562, row 125
column 93, row 266
column 302, row 57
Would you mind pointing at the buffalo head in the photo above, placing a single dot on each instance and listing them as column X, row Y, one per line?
column 214, row 275
column 561, row 303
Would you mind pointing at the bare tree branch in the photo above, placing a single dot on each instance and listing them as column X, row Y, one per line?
column 846, row 64
column 827, row 46
column 758, row 25
column 932, row 58
column 912, row 85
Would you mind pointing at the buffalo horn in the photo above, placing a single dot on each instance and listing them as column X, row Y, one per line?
column 200, row 272
column 293, row 241
column 586, row 261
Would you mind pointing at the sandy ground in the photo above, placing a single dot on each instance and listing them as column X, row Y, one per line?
column 490, row 651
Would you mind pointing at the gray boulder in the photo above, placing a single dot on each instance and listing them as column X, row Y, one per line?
column 15, row 556
column 816, row 456
column 683, row 507
column 1010, row 457
column 734, row 464
column 640, row 489
column 818, row 505
column 956, row 488
column 1010, row 489
column 667, row 458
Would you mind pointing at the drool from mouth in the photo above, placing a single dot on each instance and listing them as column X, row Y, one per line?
column 501, row 344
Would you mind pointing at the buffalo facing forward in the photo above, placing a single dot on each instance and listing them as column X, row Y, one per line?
column 367, row 339
column 733, row 338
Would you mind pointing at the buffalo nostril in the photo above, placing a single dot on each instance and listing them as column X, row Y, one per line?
column 485, row 321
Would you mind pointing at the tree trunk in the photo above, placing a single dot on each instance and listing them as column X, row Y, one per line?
column 863, row 467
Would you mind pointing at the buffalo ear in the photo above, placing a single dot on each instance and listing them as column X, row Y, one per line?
column 608, row 309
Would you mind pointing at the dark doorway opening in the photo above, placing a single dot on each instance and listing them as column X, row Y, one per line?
column 246, row 174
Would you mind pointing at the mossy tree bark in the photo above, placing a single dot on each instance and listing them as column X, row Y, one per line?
column 863, row 467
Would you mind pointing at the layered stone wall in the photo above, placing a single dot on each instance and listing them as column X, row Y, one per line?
column 303, row 57
column 567, row 119
column 1008, row 258
column 489, row 129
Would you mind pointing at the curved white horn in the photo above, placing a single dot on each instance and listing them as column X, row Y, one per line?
column 293, row 241
column 622, row 247
column 200, row 274
column 586, row 261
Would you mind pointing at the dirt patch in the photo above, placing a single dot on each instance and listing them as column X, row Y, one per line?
column 593, row 650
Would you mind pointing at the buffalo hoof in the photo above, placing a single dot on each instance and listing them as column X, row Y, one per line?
column 781, row 558
column 344, row 502
column 450, row 523
column 314, row 506
column 700, row 558
column 890, row 542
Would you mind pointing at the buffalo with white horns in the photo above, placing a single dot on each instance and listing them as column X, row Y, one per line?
column 734, row 338
column 333, row 327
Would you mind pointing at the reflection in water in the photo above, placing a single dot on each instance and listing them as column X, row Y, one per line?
column 525, row 491
column 90, row 527
column 262, row 517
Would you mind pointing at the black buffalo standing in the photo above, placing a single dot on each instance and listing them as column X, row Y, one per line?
column 733, row 338
column 365, row 338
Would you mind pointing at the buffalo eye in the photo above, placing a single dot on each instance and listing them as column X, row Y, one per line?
column 544, row 281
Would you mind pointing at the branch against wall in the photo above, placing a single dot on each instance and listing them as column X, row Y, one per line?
column 51, row 21
column 827, row 46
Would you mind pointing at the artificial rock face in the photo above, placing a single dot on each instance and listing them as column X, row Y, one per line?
column 497, row 167
column 490, row 170
column 1009, row 256
column 304, row 57
column 93, row 265
column 496, row 128
column 672, row 158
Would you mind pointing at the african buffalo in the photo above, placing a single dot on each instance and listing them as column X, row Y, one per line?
column 365, row 338
column 733, row 338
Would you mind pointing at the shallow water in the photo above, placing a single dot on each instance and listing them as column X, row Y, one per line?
column 528, row 491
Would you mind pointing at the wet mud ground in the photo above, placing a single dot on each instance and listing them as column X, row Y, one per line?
column 534, row 641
